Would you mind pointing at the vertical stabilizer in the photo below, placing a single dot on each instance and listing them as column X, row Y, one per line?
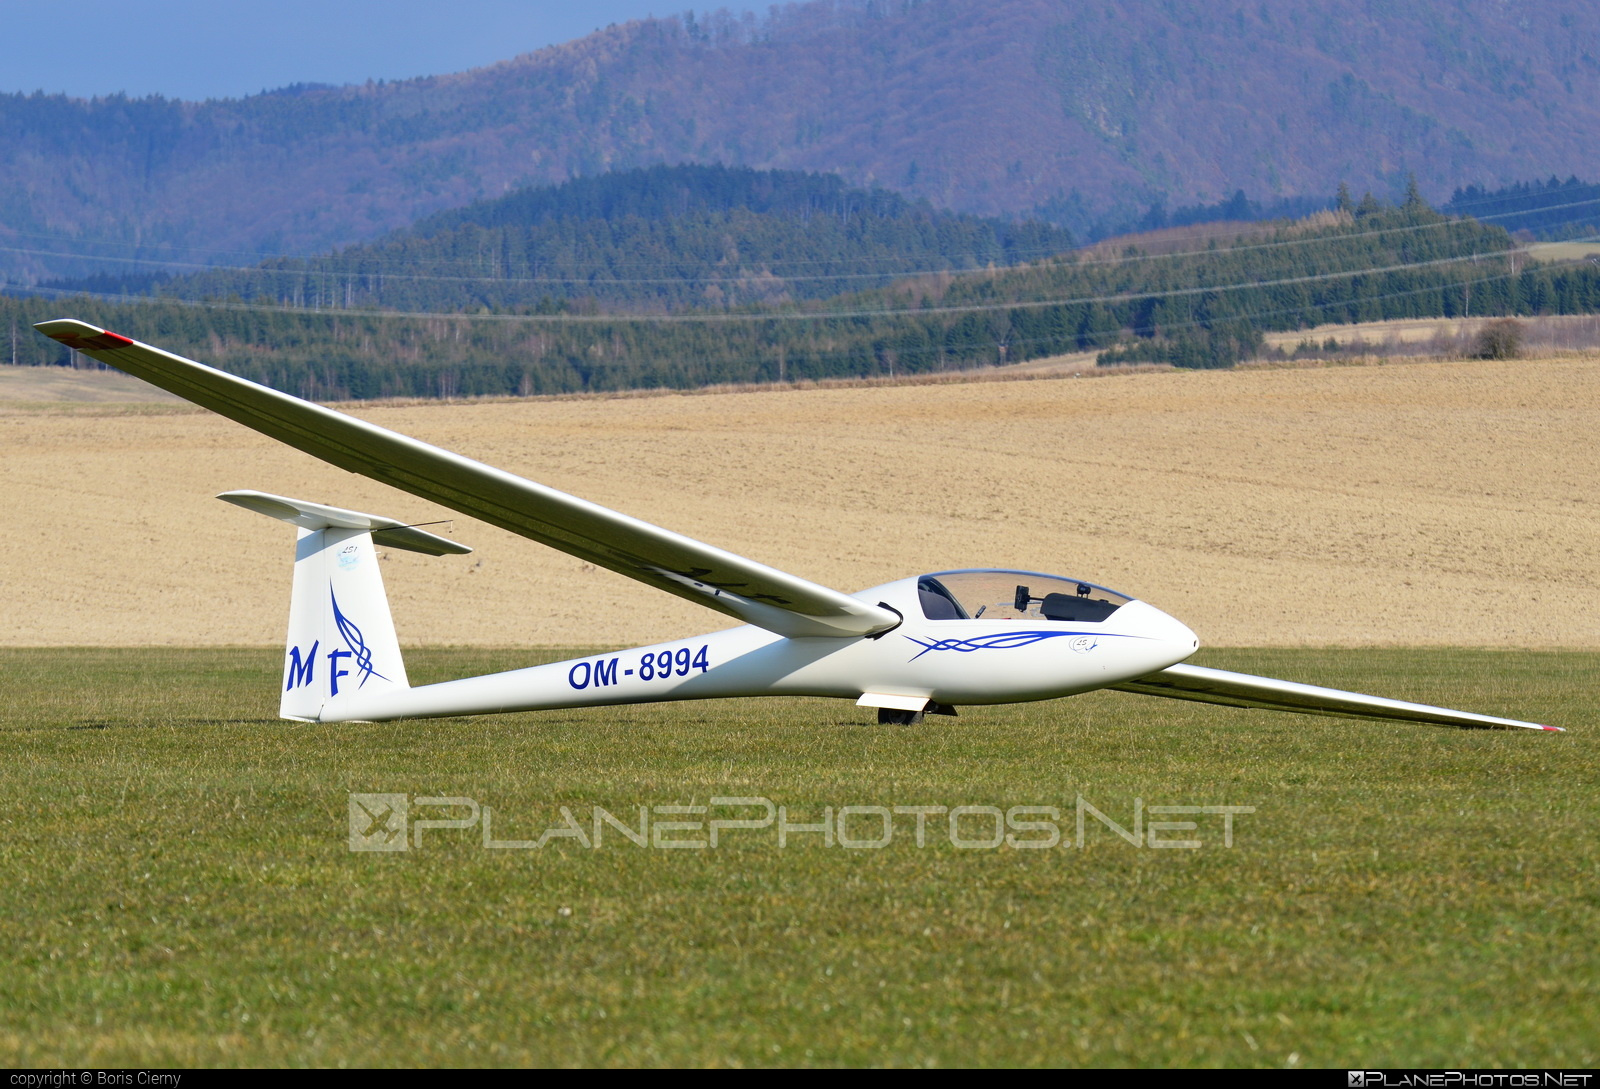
column 342, row 646
column 342, row 642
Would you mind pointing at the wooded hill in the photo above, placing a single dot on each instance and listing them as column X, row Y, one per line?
column 650, row 240
column 1202, row 309
column 1552, row 210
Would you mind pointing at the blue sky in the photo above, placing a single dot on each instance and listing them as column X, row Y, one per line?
column 198, row 49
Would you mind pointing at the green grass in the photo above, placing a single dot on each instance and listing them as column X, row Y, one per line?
column 177, row 885
column 1557, row 252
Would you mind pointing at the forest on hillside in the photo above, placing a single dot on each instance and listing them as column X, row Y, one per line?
column 654, row 239
column 1203, row 308
column 1552, row 210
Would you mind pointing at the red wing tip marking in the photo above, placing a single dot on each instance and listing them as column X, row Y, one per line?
column 104, row 341
column 1557, row 729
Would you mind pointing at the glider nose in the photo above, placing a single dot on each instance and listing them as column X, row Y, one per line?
column 1171, row 639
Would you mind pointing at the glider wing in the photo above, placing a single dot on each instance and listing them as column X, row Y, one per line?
column 1190, row 682
column 720, row 580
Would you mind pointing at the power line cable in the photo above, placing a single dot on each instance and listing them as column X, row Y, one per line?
column 787, row 316
column 1085, row 254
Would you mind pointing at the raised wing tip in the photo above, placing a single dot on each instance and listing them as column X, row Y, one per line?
column 1554, row 729
column 81, row 335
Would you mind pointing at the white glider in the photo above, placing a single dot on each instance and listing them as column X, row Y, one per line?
column 923, row 644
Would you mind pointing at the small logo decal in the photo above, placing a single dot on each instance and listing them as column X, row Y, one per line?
column 1081, row 641
column 358, row 650
column 1005, row 640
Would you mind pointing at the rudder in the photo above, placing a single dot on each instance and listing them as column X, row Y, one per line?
column 342, row 644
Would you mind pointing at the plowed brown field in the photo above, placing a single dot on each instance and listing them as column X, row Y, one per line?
column 1426, row 503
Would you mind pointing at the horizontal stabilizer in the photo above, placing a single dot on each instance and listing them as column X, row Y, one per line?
column 385, row 531
column 1190, row 682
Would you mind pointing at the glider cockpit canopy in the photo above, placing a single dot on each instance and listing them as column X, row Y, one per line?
column 1014, row 595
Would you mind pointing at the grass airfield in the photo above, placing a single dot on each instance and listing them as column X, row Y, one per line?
column 180, row 889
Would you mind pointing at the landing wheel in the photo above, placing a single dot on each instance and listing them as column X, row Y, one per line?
column 888, row 716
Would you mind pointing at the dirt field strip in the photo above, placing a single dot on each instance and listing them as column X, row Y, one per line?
column 1421, row 504
column 51, row 385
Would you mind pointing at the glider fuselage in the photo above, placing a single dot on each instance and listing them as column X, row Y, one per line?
column 951, row 660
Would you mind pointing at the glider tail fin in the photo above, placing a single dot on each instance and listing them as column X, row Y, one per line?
column 342, row 642
column 342, row 646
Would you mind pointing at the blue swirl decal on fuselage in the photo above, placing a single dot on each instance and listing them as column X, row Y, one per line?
column 356, row 642
column 1001, row 640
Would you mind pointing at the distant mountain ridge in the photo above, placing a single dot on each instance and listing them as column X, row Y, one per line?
column 988, row 106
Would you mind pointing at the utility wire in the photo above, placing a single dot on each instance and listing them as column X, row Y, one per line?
column 783, row 315
column 1085, row 255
